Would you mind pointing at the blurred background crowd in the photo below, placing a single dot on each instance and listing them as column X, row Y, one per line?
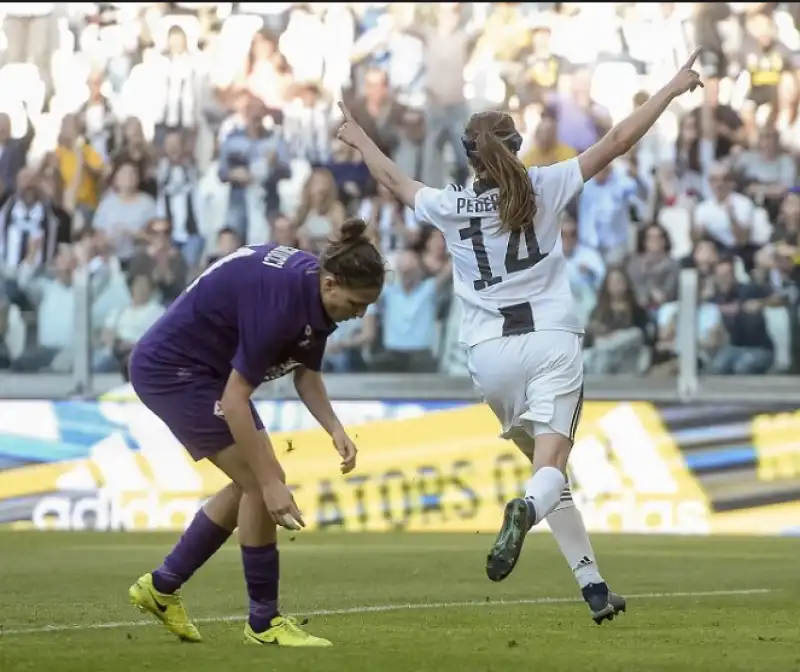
column 144, row 141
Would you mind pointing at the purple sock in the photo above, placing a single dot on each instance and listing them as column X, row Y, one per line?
column 201, row 540
column 261, row 572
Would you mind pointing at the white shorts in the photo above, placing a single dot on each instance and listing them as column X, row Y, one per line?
column 533, row 382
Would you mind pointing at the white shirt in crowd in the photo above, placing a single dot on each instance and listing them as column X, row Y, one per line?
column 711, row 216
column 130, row 323
column 500, row 282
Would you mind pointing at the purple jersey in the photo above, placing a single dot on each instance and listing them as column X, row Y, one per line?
column 258, row 310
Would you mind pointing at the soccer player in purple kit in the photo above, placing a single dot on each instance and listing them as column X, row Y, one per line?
column 255, row 315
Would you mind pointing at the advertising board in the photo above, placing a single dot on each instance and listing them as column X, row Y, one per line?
column 425, row 466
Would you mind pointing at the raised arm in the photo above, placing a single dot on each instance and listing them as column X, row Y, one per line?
column 382, row 168
column 620, row 139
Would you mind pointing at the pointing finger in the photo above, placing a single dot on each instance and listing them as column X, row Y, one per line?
column 693, row 58
column 345, row 111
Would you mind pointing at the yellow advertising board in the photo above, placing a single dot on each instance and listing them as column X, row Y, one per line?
column 443, row 471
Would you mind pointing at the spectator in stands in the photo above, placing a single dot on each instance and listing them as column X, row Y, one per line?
column 726, row 216
column 124, row 327
column 252, row 160
column 54, row 298
column 13, row 153
column 786, row 236
column 447, row 50
column 284, row 232
column 344, row 351
column 604, row 213
column 82, row 169
column 267, row 75
column 5, row 311
column 29, row 226
column 387, row 214
column 30, row 31
column 307, row 125
column 585, row 267
column 785, row 240
column 546, row 149
column 710, row 329
column 378, row 112
column 408, row 307
column 749, row 349
column 619, row 329
column 302, row 41
column 765, row 57
column 134, row 147
column 124, row 210
column 768, row 173
column 178, row 197
column 653, row 272
column 788, row 119
column 96, row 115
column 350, row 173
column 228, row 241
column 321, row 213
column 161, row 259
column 412, row 154
column 704, row 258
column 694, row 155
column 434, row 257
column 51, row 187
column 581, row 120
column 178, row 106
column 543, row 68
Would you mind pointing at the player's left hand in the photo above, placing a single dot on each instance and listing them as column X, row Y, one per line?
column 687, row 79
column 346, row 448
column 350, row 132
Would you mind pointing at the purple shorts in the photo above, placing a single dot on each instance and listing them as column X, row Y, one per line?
column 187, row 402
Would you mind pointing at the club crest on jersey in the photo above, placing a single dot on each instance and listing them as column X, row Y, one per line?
column 305, row 342
column 218, row 410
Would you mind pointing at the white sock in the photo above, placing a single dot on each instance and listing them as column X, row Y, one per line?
column 566, row 523
column 544, row 489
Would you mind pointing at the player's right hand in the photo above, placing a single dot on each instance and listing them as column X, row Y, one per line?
column 687, row 79
column 350, row 131
column 281, row 506
column 346, row 448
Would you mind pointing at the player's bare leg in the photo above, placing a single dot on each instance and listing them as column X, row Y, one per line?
column 565, row 521
column 158, row 592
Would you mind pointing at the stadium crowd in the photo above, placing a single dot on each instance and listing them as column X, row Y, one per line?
column 144, row 141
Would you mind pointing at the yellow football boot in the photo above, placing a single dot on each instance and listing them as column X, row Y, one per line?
column 284, row 631
column 166, row 608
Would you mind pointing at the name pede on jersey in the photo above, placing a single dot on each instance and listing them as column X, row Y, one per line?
column 478, row 206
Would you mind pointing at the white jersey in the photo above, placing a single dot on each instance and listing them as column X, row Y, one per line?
column 509, row 283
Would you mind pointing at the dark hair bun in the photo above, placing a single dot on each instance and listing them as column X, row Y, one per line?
column 352, row 231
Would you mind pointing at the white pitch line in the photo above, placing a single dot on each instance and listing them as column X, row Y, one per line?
column 381, row 608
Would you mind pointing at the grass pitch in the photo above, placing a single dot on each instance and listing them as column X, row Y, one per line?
column 398, row 602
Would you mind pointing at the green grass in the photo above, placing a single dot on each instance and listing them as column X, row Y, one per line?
column 77, row 579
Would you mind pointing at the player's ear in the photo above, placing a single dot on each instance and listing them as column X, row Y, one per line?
column 328, row 282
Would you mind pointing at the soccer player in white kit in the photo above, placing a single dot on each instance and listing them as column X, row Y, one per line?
column 522, row 334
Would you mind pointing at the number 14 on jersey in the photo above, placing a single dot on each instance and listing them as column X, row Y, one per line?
column 513, row 262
